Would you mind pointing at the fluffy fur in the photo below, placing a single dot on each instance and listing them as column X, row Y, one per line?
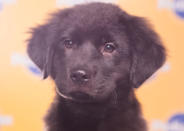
column 97, row 54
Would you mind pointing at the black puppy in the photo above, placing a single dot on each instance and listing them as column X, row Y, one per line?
column 97, row 55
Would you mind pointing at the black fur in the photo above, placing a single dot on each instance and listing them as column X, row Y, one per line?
column 116, row 52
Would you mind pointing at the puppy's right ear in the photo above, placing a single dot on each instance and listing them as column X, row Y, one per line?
column 38, row 48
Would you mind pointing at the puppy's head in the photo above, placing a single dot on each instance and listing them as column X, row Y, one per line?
column 96, row 50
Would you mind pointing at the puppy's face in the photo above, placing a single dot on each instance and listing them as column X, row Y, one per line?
column 95, row 51
column 89, row 62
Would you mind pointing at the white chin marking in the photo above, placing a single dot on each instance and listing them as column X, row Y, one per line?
column 62, row 95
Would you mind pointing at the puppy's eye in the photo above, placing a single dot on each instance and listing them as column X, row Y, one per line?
column 68, row 43
column 109, row 47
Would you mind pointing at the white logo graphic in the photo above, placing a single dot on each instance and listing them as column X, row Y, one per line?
column 177, row 6
column 23, row 60
column 2, row 2
column 175, row 123
column 5, row 120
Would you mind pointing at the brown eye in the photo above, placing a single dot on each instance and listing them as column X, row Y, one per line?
column 109, row 48
column 68, row 43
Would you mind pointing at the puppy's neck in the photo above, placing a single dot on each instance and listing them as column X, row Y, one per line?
column 72, row 115
column 117, row 102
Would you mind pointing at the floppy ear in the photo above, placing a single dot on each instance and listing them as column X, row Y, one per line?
column 148, row 53
column 44, row 39
column 39, row 49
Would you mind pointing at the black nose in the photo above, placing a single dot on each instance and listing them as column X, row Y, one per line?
column 79, row 77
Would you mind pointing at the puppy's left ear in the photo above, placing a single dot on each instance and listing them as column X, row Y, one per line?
column 148, row 53
column 39, row 49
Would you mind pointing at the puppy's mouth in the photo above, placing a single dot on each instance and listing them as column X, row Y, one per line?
column 76, row 96
column 81, row 96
